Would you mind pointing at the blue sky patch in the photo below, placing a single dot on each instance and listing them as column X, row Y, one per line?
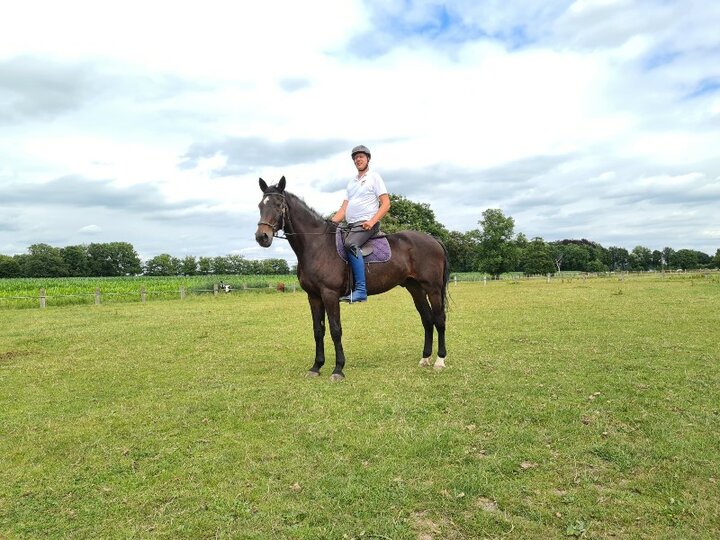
column 705, row 87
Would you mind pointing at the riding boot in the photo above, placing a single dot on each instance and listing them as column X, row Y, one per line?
column 359, row 292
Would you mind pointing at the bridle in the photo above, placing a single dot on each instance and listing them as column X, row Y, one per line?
column 280, row 224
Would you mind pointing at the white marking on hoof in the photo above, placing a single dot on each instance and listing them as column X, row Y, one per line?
column 337, row 377
column 426, row 362
column 439, row 363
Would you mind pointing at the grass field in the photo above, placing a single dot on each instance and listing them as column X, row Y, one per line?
column 568, row 410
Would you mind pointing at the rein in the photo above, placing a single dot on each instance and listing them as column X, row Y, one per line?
column 285, row 217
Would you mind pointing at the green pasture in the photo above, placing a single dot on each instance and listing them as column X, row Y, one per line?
column 569, row 409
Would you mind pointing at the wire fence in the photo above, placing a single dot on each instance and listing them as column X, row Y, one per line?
column 43, row 300
column 583, row 276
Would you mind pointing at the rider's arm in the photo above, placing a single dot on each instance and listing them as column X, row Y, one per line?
column 340, row 214
column 384, row 207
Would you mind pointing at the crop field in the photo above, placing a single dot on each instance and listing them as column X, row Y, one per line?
column 569, row 409
column 24, row 292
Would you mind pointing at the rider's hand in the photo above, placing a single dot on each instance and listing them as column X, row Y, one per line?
column 367, row 225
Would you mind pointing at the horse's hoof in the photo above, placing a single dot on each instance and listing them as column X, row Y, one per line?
column 425, row 362
column 311, row 374
column 439, row 364
column 337, row 377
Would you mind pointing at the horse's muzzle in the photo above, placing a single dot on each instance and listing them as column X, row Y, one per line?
column 264, row 236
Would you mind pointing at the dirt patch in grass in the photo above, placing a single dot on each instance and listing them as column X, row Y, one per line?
column 427, row 528
column 8, row 356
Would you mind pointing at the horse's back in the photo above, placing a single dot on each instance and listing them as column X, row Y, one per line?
column 422, row 255
column 417, row 240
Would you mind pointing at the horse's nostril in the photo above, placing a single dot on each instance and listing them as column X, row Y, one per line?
column 262, row 238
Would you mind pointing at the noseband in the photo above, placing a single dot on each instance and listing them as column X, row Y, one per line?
column 280, row 224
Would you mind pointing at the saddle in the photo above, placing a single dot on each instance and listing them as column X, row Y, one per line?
column 375, row 250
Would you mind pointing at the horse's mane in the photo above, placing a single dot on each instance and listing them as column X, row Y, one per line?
column 314, row 213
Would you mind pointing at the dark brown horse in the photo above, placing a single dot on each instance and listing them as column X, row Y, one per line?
column 419, row 263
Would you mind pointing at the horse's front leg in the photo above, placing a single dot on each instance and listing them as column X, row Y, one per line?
column 317, row 308
column 332, row 308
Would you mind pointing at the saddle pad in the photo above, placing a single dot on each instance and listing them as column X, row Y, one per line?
column 380, row 246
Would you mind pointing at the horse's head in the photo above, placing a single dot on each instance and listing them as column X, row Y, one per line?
column 272, row 212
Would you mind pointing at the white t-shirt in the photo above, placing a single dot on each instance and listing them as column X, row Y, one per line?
column 363, row 196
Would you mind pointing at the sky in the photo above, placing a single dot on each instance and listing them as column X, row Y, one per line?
column 151, row 122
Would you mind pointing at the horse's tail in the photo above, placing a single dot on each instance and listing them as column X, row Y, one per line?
column 446, row 276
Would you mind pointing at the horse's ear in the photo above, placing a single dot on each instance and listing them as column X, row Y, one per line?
column 281, row 184
column 263, row 185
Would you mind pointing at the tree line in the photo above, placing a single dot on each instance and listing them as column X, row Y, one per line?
column 493, row 248
column 121, row 259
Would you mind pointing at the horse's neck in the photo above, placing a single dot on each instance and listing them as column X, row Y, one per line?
column 307, row 234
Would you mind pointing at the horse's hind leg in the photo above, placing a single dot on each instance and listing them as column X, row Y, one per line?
column 438, row 318
column 426, row 316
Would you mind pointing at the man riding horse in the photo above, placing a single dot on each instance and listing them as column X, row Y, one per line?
column 366, row 203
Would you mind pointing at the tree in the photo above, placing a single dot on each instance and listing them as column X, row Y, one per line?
column 496, row 252
column 44, row 260
column 236, row 264
column 255, row 268
column 113, row 259
column 126, row 258
column 274, row 266
column 205, row 265
column 405, row 214
column 667, row 254
column 9, row 267
column 716, row 259
column 536, row 258
column 521, row 243
column 619, row 258
column 641, row 258
column 189, row 266
column 596, row 265
column 684, row 259
column 571, row 255
column 220, row 266
column 657, row 260
column 76, row 260
column 163, row 265
column 704, row 260
column 462, row 250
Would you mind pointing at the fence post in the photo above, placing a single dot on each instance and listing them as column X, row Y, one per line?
column 182, row 293
column 97, row 296
column 548, row 277
column 42, row 298
column 455, row 280
column 484, row 281
column 215, row 289
column 143, row 294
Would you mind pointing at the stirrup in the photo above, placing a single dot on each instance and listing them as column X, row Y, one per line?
column 349, row 298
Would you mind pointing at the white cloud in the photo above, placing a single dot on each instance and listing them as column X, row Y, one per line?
column 567, row 115
column 90, row 229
